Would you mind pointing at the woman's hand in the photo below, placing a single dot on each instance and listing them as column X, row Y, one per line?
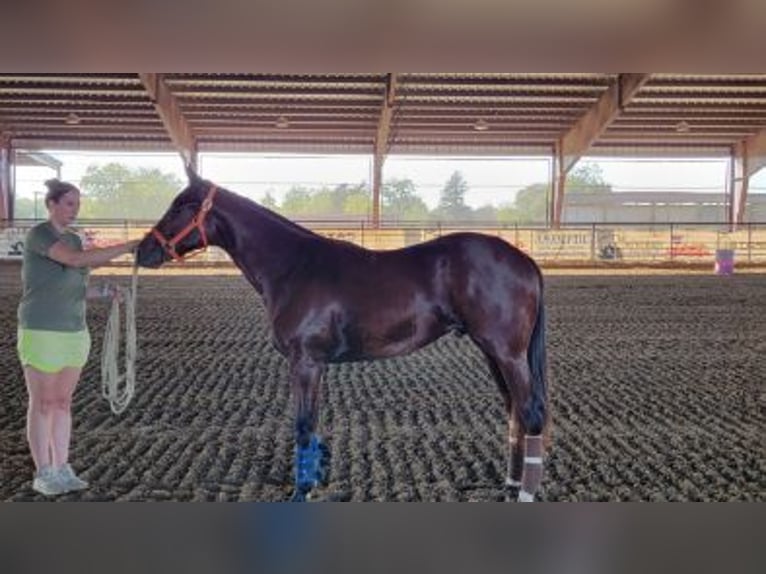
column 111, row 291
column 116, row 292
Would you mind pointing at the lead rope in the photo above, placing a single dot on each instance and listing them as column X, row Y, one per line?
column 119, row 389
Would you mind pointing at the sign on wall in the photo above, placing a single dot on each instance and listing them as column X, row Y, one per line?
column 12, row 242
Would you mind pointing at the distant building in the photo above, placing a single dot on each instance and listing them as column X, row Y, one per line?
column 656, row 207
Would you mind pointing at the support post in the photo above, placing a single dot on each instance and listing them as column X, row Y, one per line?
column 558, row 183
column 738, row 185
column 6, row 179
column 381, row 146
column 377, row 183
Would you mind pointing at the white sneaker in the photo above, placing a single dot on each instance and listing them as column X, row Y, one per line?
column 47, row 482
column 69, row 480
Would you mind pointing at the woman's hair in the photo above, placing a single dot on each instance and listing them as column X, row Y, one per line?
column 57, row 188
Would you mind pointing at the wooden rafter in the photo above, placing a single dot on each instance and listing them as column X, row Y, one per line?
column 590, row 126
column 576, row 142
column 755, row 146
column 169, row 110
column 747, row 157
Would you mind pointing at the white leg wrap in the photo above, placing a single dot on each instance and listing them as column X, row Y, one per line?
column 533, row 468
column 510, row 482
column 526, row 497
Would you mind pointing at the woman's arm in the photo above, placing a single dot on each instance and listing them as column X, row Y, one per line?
column 66, row 255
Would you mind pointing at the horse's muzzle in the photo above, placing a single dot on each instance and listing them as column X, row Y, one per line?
column 150, row 253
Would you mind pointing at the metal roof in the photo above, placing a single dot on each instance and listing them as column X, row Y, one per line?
column 430, row 113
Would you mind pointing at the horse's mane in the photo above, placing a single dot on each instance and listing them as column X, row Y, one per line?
column 249, row 204
column 245, row 205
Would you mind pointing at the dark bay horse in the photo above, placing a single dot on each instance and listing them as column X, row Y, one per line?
column 330, row 301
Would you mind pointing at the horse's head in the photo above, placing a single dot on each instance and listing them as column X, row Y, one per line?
column 183, row 227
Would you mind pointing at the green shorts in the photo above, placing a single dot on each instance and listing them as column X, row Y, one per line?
column 51, row 351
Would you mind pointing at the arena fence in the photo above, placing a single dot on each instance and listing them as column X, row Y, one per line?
column 598, row 243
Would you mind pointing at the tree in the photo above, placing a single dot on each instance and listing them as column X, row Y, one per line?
column 323, row 203
column 341, row 201
column 530, row 202
column 357, row 204
column 485, row 214
column 24, row 208
column 507, row 213
column 116, row 191
column 351, row 200
column 587, row 178
column 297, row 201
column 269, row 202
column 452, row 203
column 400, row 202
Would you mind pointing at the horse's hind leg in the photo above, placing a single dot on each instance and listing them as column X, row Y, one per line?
column 515, row 453
column 515, row 464
column 311, row 455
column 530, row 424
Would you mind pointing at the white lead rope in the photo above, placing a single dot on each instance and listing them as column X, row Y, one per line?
column 119, row 389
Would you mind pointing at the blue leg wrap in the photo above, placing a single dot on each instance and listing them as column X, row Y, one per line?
column 308, row 465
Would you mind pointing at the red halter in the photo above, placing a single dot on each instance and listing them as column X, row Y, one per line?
column 197, row 222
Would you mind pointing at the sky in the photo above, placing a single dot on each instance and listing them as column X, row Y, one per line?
column 492, row 181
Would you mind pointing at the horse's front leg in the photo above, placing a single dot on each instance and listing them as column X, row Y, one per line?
column 311, row 455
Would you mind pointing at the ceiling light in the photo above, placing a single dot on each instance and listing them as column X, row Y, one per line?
column 72, row 119
column 282, row 122
column 481, row 125
column 682, row 127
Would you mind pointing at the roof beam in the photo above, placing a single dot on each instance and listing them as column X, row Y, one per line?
column 747, row 157
column 755, row 148
column 169, row 110
column 589, row 127
column 381, row 145
column 576, row 142
column 39, row 158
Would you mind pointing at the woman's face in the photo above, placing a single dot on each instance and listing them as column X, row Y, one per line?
column 64, row 212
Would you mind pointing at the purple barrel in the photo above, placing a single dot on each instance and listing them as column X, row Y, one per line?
column 724, row 261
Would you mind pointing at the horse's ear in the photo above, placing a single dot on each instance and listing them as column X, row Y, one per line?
column 191, row 174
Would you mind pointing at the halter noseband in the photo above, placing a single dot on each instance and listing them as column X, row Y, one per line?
column 197, row 222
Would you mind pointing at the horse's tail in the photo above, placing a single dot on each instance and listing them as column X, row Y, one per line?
column 535, row 412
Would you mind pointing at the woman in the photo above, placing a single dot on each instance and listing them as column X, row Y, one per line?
column 53, row 339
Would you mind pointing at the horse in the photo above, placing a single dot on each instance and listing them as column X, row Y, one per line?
column 331, row 301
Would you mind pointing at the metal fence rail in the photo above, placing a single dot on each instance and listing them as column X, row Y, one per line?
column 598, row 243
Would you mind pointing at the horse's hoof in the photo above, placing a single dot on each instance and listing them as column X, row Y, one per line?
column 526, row 497
column 299, row 496
column 312, row 468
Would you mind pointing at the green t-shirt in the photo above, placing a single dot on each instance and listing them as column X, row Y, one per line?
column 53, row 296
